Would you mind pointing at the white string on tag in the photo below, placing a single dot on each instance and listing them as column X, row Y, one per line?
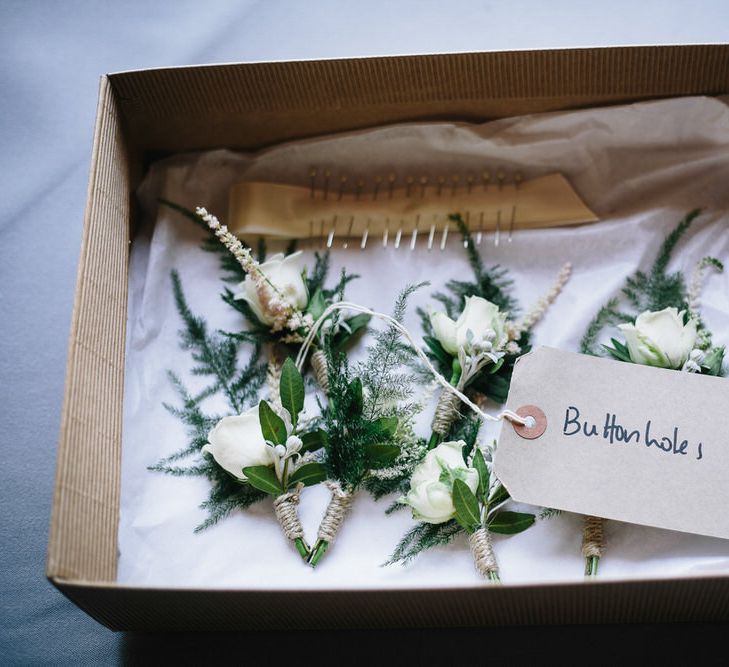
column 347, row 305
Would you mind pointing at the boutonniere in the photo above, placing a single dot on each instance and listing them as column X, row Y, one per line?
column 278, row 300
column 661, row 327
column 268, row 450
column 273, row 298
column 452, row 491
column 367, row 421
column 475, row 342
column 477, row 338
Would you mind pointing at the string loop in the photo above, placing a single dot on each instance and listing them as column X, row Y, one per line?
column 354, row 307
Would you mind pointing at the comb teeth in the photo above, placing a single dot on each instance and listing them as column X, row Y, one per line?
column 410, row 187
column 335, row 208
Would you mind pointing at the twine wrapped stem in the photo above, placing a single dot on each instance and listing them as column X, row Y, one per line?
column 320, row 369
column 287, row 515
column 338, row 507
column 593, row 542
column 483, row 554
column 446, row 412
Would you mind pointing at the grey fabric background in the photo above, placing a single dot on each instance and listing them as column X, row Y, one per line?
column 52, row 54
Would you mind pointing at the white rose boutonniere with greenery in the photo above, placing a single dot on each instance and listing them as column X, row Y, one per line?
column 453, row 490
column 662, row 327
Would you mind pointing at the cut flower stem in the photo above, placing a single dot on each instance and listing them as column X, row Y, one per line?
column 303, row 548
column 591, row 563
column 320, row 548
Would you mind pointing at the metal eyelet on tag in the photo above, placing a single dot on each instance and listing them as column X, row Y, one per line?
column 536, row 428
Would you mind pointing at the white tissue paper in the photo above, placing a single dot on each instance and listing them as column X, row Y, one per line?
column 640, row 167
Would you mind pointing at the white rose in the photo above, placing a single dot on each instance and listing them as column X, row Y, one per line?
column 480, row 317
column 660, row 338
column 430, row 498
column 285, row 274
column 237, row 442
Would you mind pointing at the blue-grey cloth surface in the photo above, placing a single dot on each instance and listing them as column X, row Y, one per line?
column 52, row 56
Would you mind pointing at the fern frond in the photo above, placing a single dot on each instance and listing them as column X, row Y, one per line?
column 669, row 244
column 215, row 355
column 421, row 537
column 653, row 290
column 318, row 275
column 381, row 373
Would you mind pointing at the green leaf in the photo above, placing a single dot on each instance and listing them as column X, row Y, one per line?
column 510, row 523
column 272, row 426
column 317, row 304
column 499, row 494
column 466, row 504
column 264, row 479
column 713, row 361
column 493, row 368
column 356, row 397
column 437, row 349
column 495, row 386
column 483, row 473
column 355, row 325
column 386, row 426
column 618, row 351
column 292, row 389
column 309, row 474
column 313, row 440
column 380, row 456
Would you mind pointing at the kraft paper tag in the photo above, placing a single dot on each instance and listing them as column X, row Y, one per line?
column 622, row 441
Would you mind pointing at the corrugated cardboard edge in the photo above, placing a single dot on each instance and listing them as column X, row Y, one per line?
column 256, row 104
column 250, row 106
column 148, row 609
column 84, row 522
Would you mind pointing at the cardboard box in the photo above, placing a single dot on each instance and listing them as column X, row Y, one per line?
column 144, row 114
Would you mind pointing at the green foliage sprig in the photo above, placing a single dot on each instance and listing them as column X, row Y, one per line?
column 482, row 509
column 389, row 384
column 368, row 419
column 357, row 440
column 490, row 283
column 216, row 356
column 282, row 478
column 653, row 290
column 232, row 272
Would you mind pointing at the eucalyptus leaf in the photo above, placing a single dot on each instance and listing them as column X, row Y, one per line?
column 510, row 523
column 309, row 474
column 264, row 479
column 466, row 504
column 291, row 389
column 380, row 456
column 483, row 473
column 272, row 426
column 313, row 440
